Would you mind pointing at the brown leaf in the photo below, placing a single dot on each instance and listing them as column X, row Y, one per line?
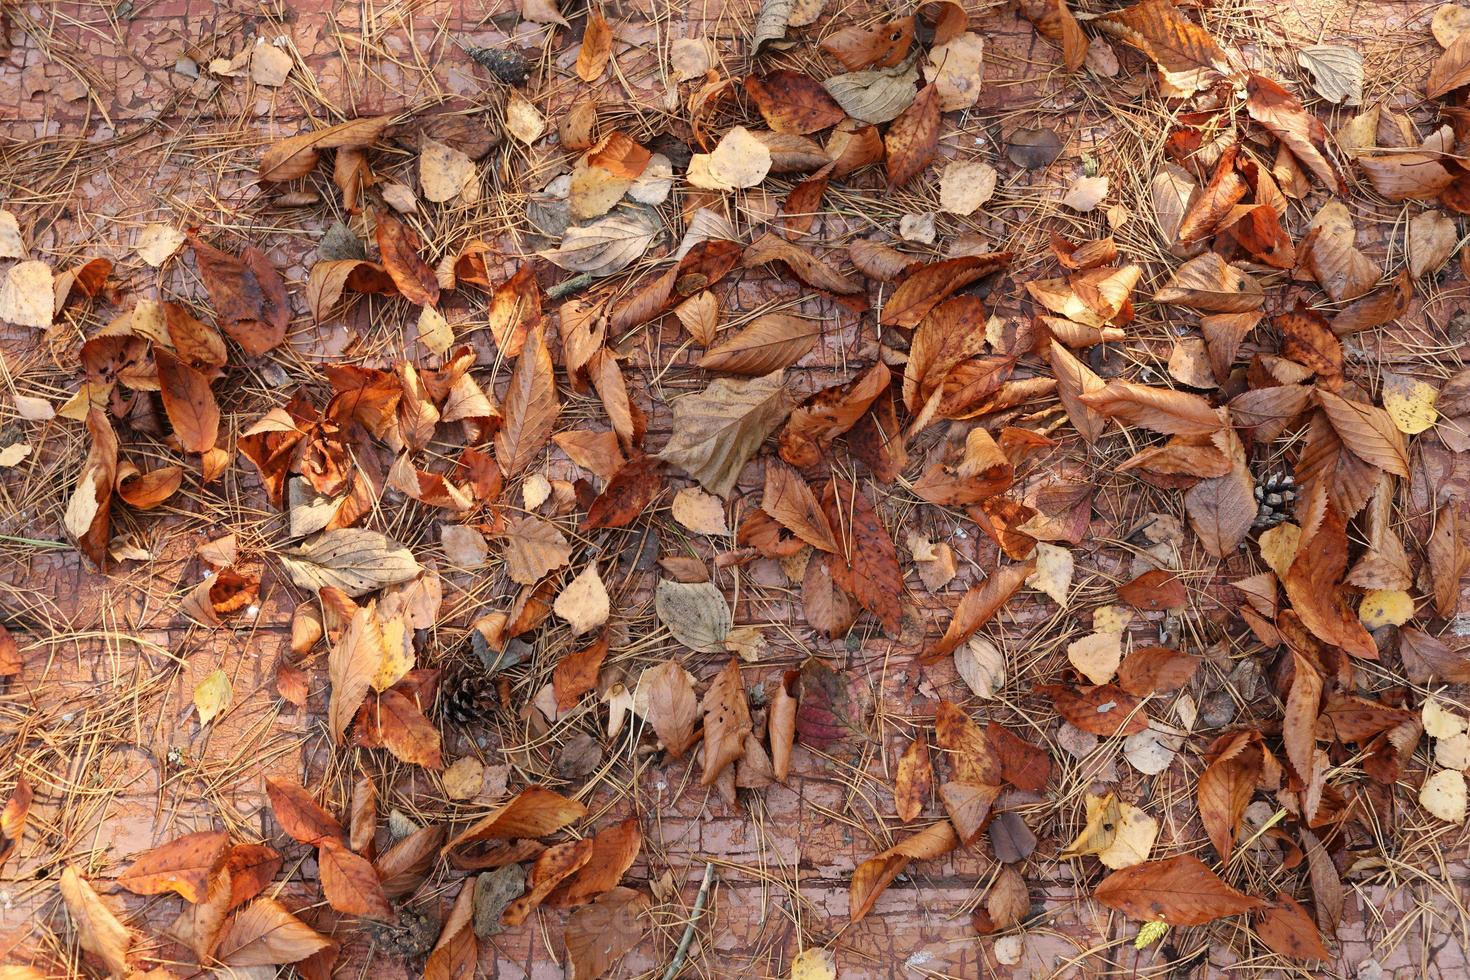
column 1179, row 890
column 1452, row 70
column 353, row 663
column 251, row 868
column 781, row 723
column 1154, row 591
column 968, row 806
column 1152, row 670
column 298, row 155
column 1329, row 253
column 1449, row 559
column 398, row 249
column 1163, row 410
column 1023, row 765
column 248, row 295
column 98, row 930
column 1313, row 585
column 299, row 815
column 1368, row 431
column 769, row 343
column 1055, row 22
column 515, row 310
column 597, row 935
column 929, row 285
column 726, row 722
column 184, row 865
column 1298, row 130
column 1075, row 380
column 632, row 488
column 1307, row 339
column 531, row 407
column 871, row 877
column 1408, row 176
column 350, row 883
column 597, row 40
column 533, row 548
column 1210, row 284
column 265, row 934
column 576, row 673
column 1105, row 710
column 952, row 332
column 1287, row 930
column 1225, row 189
column 828, row 609
column 978, row 606
column 534, row 812
column 403, row 867
column 1225, row 787
column 884, row 45
column 866, row 563
column 793, row 102
column 805, row 266
column 1299, row 721
column 717, row 430
column 456, row 954
column 915, row 782
column 189, row 402
column 330, row 279
column 968, row 751
column 1377, row 308
column 614, row 848
column 913, row 138
column 13, row 818
column 1178, row 46
column 790, row 501
column 672, row 708
column 1221, row 510
column 394, row 721
column 555, row 864
column 829, row 413
column 88, row 517
column 798, row 211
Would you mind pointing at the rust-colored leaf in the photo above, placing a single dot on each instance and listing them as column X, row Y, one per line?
column 398, row 250
column 248, row 296
column 726, row 722
column 189, row 402
column 929, row 285
column 1287, row 930
column 614, row 848
column 915, row 781
column 349, row 881
column 978, row 606
column 627, row 494
column 530, row 409
column 1314, row 587
column 184, row 865
column 550, row 868
column 596, row 49
column 1105, row 710
column 299, row 814
column 1155, row 590
column 871, row 877
column 866, row 563
column 1181, row 891
column 793, row 102
column 913, row 138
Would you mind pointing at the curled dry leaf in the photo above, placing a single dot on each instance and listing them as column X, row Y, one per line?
column 872, row 877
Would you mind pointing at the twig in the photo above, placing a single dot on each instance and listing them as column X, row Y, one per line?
column 36, row 542
column 694, row 917
column 573, row 285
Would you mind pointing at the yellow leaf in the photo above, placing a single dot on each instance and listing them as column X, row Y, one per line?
column 1439, row 723
column 1119, row 834
column 1278, row 547
column 522, row 120
column 700, row 512
column 583, row 603
column 1386, row 607
column 1097, row 655
column 1409, row 402
column 1053, row 575
column 1443, row 795
column 814, row 964
column 1111, row 619
column 212, row 696
column 398, row 658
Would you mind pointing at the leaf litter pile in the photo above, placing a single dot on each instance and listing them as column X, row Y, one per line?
column 704, row 457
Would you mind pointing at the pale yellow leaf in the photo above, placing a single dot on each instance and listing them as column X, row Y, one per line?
column 212, row 695
column 584, row 602
column 1053, row 575
column 1444, row 796
column 1096, row 656
column 700, row 512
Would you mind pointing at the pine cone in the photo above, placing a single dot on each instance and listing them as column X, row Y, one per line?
column 467, row 695
column 1275, row 498
column 506, row 64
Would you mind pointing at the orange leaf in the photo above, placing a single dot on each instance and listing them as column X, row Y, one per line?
column 550, row 868
column 534, row 812
column 298, row 814
column 1160, row 409
column 978, row 606
column 1288, row 931
column 1226, row 785
column 596, row 49
column 726, row 722
column 929, row 285
column 871, row 877
column 1452, row 70
column 793, row 102
column 913, row 138
column 576, row 673
column 189, row 402
column 627, row 494
column 915, row 782
column 971, row 757
column 769, row 343
column 456, row 955
column 515, row 310
column 1104, row 710
column 866, row 565
column 396, row 722
column 265, row 934
column 1149, row 670
column 790, row 501
column 184, row 865
column 1153, row 591
column 350, row 883
column 1299, row 131
column 398, row 249
column 1179, row 890
column 531, row 407
column 884, row 44
column 614, row 849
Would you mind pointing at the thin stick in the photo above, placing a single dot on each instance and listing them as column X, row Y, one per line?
column 699, row 900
